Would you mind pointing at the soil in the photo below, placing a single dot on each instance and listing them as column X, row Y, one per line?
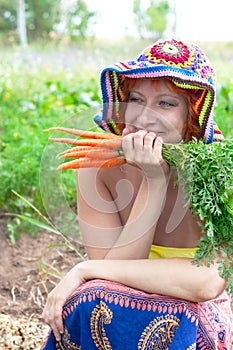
column 28, row 271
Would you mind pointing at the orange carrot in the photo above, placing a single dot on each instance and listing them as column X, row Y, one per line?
column 95, row 150
column 108, row 143
column 85, row 134
column 99, row 153
column 91, row 163
column 77, row 148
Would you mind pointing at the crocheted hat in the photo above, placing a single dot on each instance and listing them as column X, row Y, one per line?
column 186, row 65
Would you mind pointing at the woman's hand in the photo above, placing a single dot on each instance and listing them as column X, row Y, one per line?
column 52, row 313
column 144, row 150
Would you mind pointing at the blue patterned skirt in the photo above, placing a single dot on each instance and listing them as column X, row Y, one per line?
column 106, row 315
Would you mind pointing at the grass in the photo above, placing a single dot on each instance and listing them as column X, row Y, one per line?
column 45, row 86
column 39, row 91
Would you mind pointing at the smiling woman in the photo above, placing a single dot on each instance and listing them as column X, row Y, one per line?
column 170, row 97
column 139, row 288
column 162, row 112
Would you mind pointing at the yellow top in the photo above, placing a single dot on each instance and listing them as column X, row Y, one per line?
column 157, row 252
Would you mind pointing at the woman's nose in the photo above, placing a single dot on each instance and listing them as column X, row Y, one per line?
column 147, row 116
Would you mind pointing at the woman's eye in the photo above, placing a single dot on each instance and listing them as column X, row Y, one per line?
column 166, row 104
column 135, row 100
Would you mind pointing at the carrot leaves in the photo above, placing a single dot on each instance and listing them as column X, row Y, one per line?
column 206, row 172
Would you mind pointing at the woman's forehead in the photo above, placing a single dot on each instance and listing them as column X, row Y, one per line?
column 158, row 85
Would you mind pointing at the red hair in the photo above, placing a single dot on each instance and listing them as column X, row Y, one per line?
column 191, row 127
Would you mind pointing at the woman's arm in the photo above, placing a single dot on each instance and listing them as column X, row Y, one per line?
column 176, row 277
column 107, row 231
column 104, row 234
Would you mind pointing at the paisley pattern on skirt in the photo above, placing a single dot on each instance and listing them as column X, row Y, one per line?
column 110, row 316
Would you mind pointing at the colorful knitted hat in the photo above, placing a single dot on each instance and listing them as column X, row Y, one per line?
column 185, row 65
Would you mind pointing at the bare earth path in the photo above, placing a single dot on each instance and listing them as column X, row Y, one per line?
column 28, row 271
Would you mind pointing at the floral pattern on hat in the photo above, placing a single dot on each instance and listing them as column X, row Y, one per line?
column 173, row 52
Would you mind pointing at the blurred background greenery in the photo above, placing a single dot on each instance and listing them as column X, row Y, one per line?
column 50, row 62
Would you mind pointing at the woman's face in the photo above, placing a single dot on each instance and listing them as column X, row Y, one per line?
column 156, row 109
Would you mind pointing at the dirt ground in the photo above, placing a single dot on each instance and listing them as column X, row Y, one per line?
column 28, row 271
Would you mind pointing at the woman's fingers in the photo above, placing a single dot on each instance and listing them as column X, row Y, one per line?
column 149, row 141
column 144, row 150
column 138, row 144
column 52, row 315
column 157, row 145
column 58, row 322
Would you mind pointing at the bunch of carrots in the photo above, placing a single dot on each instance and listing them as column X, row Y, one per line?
column 95, row 149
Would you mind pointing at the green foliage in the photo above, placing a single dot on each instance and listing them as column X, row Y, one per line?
column 205, row 172
column 224, row 108
column 41, row 17
column 7, row 15
column 31, row 101
column 140, row 17
column 151, row 21
column 156, row 15
column 78, row 20
column 44, row 19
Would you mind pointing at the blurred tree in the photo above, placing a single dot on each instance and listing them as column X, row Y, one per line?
column 7, row 15
column 78, row 19
column 41, row 17
column 38, row 16
column 152, row 20
column 21, row 23
column 37, row 19
column 140, row 17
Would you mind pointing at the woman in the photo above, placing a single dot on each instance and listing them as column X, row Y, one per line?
column 139, row 288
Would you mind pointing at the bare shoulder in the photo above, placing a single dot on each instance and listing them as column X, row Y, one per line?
column 110, row 176
column 94, row 176
column 117, row 184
